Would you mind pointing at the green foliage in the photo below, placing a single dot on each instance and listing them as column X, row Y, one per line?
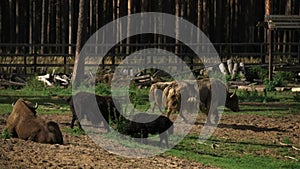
column 121, row 124
column 296, row 97
column 286, row 140
column 270, row 85
column 139, row 96
column 254, row 96
column 5, row 134
column 103, row 89
column 280, row 78
column 258, row 71
column 76, row 131
column 34, row 84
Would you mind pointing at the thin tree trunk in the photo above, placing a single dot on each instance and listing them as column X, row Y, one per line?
column 70, row 25
column 43, row 29
column 30, row 26
column 17, row 25
column 78, row 71
column 287, row 12
column 58, row 26
column 128, row 27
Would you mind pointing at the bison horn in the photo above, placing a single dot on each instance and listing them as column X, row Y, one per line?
column 233, row 93
column 36, row 106
column 12, row 104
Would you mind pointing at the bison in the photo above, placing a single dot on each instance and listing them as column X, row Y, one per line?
column 206, row 93
column 23, row 123
column 156, row 94
column 82, row 101
column 171, row 94
column 176, row 94
column 144, row 123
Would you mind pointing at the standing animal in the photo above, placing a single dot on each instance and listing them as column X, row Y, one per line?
column 23, row 123
column 144, row 123
column 82, row 101
column 180, row 96
column 171, row 94
column 205, row 91
column 156, row 94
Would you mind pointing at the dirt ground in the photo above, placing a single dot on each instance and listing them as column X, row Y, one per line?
column 82, row 152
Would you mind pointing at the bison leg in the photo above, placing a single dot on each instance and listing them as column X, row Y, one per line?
column 144, row 136
column 74, row 118
column 181, row 115
column 163, row 136
column 215, row 114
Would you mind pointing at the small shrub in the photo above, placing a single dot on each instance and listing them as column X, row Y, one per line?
column 280, row 78
column 121, row 124
column 76, row 131
column 286, row 140
column 103, row 89
column 258, row 71
column 5, row 134
column 297, row 97
column 34, row 84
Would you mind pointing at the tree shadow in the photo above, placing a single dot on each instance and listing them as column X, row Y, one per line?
column 249, row 127
column 245, row 127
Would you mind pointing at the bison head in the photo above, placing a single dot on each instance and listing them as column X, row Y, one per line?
column 27, row 103
column 232, row 101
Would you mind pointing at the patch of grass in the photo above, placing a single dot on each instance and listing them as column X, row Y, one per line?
column 254, row 96
column 5, row 134
column 233, row 155
column 274, row 111
column 76, row 131
column 286, row 140
column 296, row 97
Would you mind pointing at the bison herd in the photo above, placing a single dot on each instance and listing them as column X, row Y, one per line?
column 24, row 123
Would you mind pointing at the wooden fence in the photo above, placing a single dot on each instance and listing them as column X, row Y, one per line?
column 37, row 58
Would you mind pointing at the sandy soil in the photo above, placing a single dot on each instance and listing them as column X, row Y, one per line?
column 82, row 152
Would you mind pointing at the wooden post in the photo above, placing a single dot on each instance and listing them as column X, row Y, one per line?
column 269, row 36
column 269, row 39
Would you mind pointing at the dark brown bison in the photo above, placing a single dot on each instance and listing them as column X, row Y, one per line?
column 84, row 108
column 143, row 124
column 205, row 91
column 23, row 123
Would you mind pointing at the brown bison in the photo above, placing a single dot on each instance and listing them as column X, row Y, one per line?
column 144, row 124
column 84, row 107
column 23, row 123
column 205, row 91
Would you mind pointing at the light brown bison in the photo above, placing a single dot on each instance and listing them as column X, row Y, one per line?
column 156, row 94
column 205, row 91
column 144, row 124
column 180, row 96
column 171, row 94
column 23, row 123
column 85, row 109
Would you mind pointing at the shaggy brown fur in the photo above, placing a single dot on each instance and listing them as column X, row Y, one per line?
column 25, row 124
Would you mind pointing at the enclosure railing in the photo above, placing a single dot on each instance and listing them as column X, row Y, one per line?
column 25, row 58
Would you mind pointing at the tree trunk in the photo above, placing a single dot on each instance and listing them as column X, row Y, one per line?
column 43, row 29
column 78, row 71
